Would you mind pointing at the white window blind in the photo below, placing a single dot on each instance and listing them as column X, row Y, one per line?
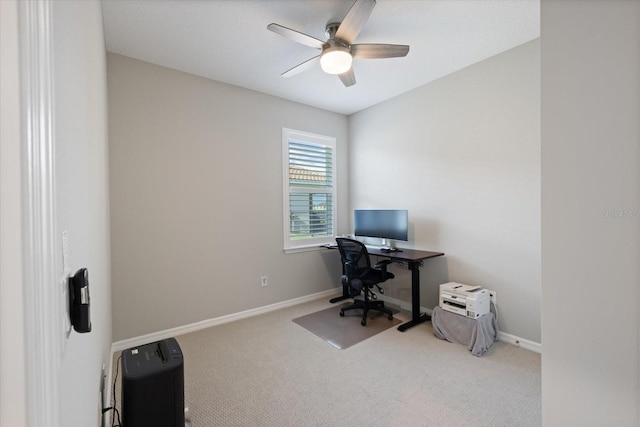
column 309, row 177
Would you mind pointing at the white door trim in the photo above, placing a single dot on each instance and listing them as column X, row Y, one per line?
column 42, row 302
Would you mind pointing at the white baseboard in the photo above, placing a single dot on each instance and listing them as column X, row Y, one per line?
column 502, row 336
column 181, row 330
column 404, row 305
column 520, row 342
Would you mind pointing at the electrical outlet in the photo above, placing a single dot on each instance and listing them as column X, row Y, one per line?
column 493, row 297
column 264, row 281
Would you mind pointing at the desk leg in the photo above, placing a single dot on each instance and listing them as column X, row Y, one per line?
column 416, row 316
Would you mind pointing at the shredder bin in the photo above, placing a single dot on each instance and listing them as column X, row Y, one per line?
column 153, row 385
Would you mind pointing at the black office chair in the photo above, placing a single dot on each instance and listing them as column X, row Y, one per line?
column 358, row 275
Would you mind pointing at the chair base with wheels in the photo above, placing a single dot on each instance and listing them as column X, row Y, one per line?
column 365, row 307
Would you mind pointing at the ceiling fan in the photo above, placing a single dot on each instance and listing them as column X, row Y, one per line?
column 338, row 52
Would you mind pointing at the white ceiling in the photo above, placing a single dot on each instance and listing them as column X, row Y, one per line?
column 228, row 41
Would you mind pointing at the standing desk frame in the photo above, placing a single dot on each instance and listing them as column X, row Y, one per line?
column 414, row 259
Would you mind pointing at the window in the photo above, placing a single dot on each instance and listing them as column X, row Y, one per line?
column 309, row 188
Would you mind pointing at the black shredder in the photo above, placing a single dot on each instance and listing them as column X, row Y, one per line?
column 153, row 385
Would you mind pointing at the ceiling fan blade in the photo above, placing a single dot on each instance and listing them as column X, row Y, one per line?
column 355, row 20
column 309, row 63
column 348, row 78
column 296, row 36
column 375, row 51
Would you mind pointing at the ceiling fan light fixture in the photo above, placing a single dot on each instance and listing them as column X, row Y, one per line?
column 336, row 60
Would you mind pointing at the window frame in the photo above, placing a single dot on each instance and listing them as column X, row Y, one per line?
column 328, row 141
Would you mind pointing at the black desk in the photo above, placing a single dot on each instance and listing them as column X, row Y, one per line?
column 414, row 259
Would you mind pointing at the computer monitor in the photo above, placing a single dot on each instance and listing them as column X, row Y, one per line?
column 384, row 224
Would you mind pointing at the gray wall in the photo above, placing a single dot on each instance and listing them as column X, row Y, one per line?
column 590, row 212
column 196, row 198
column 462, row 154
column 186, row 153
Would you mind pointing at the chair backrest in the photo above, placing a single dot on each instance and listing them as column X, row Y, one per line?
column 355, row 257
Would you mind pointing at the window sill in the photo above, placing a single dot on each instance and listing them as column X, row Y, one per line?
column 298, row 249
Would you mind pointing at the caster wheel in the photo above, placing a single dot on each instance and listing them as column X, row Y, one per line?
column 341, row 313
column 390, row 317
column 364, row 322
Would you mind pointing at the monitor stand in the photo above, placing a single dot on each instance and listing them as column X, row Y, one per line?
column 386, row 245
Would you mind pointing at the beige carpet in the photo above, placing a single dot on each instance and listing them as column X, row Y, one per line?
column 268, row 371
column 343, row 332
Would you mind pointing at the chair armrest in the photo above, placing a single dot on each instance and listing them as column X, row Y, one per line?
column 383, row 264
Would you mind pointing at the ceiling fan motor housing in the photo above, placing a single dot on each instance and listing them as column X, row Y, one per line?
column 331, row 29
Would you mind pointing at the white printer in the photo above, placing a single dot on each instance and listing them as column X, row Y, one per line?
column 465, row 300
